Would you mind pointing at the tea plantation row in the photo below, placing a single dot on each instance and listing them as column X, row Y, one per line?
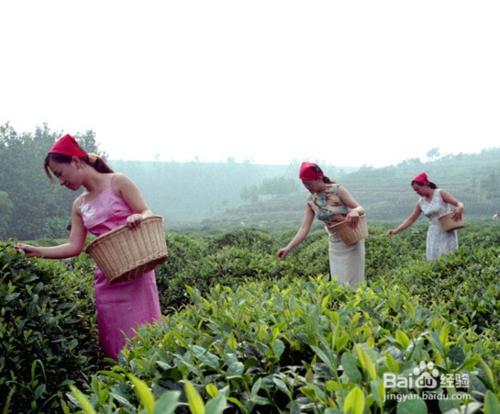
column 254, row 334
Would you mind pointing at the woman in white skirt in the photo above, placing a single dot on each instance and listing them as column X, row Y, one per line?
column 332, row 204
column 433, row 202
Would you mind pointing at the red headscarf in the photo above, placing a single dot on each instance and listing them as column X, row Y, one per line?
column 67, row 145
column 310, row 171
column 422, row 179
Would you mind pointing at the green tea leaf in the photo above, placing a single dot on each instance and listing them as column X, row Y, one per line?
column 341, row 341
column 143, row 393
column 354, row 402
column 232, row 343
column 205, row 356
column 456, row 355
column 196, row 405
column 491, row 404
column 211, row 390
column 83, row 400
column 443, row 336
column 366, row 362
column 413, row 406
column 392, row 364
column 488, row 373
column 234, row 367
column 278, row 348
column 216, row 405
column 280, row 384
column 349, row 363
column 378, row 392
column 322, row 355
column 167, row 403
column 402, row 339
column 256, row 387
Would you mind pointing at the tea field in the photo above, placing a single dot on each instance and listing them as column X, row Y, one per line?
column 246, row 333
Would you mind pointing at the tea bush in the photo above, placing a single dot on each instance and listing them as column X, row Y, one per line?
column 47, row 337
column 184, row 252
column 255, row 334
column 463, row 285
column 239, row 256
column 296, row 345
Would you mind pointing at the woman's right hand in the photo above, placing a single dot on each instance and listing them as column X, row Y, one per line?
column 390, row 232
column 282, row 253
column 26, row 248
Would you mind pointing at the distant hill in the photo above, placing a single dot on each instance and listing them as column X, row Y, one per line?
column 186, row 193
column 385, row 192
column 227, row 194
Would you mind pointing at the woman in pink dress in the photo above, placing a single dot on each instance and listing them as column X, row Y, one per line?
column 110, row 200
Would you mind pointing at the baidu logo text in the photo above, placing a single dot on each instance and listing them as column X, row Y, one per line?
column 425, row 375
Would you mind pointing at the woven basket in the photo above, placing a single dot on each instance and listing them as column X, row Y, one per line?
column 348, row 234
column 448, row 224
column 124, row 253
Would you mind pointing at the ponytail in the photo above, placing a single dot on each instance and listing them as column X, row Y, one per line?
column 327, row 180
column 98, row 163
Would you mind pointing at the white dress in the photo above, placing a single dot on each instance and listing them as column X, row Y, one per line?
column 439, row 242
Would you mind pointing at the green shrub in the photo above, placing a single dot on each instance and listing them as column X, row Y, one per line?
column 184, row 254
column 47, row 337
column 255, row 334
column 297, row 345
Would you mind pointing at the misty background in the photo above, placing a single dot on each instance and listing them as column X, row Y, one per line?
column 209, row 196
column 267, row 81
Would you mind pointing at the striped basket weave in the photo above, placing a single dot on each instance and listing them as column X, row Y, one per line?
column 124, row 253
column 448, row 224
column 348, row 234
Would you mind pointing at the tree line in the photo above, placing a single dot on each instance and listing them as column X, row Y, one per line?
column 227, row 194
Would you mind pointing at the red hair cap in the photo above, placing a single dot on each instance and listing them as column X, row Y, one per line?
column 67, row 145
column 310, row 171
column 422, row 179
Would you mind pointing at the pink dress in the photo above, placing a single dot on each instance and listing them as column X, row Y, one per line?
column 121, row 306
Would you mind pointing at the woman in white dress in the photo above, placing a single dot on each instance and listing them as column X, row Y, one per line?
column 433, row 202
column 332, row 204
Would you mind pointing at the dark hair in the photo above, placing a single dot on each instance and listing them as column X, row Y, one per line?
column 325, row 179
column 429, row 183
column 99, row 164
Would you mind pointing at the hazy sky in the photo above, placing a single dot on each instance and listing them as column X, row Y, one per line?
column 348, row 82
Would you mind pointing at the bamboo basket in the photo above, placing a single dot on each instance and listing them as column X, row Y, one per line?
column 125, row 253
column 351, row 235
column 448, row 224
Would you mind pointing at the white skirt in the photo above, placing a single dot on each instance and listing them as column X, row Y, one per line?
column 347, row 263
column 440, row 242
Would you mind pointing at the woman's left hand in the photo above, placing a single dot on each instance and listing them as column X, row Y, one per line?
column 353, row 218
column 457, row 213
column 134, row 220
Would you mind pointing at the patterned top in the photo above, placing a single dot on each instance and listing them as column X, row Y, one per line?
column 328, row 206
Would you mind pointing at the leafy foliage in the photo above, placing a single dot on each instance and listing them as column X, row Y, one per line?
column 6, row 210
column 280, row 342
column 297, row 345
column 36, row 200
column 47, row 337
column 254, row 334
